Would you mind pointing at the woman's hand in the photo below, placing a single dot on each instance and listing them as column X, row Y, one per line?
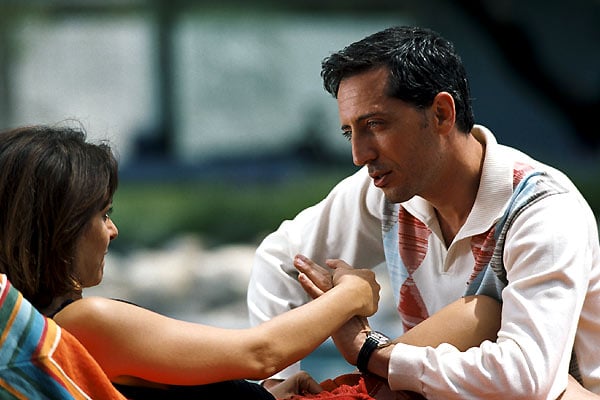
column 300, row 383
column 316, row 280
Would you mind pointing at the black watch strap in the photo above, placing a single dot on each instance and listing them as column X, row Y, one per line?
column 374, row 340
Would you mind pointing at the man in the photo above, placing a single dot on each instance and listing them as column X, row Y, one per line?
column 452, row 213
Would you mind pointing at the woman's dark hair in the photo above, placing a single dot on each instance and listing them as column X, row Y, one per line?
column 51, row 184
column 421, row 64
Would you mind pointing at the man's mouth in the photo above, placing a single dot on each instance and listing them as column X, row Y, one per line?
column 379, row 178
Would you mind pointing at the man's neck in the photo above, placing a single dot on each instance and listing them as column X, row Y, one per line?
column 458, row 187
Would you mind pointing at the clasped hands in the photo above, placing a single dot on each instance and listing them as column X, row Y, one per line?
column 316, row 280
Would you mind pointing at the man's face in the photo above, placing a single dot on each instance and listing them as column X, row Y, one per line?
column 389, row 136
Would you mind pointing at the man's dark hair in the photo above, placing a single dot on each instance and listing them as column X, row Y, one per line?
column 421, row 64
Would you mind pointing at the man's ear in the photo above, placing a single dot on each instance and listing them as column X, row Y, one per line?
column 444, row 111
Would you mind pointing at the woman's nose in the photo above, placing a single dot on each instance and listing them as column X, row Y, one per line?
column 114, row 231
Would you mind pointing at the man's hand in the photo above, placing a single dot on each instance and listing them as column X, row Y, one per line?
column 316, row 280
column 300, row 383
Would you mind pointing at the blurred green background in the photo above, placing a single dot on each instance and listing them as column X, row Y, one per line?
column 151, row 214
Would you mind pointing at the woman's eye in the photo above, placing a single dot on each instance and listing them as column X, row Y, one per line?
column 107, row 214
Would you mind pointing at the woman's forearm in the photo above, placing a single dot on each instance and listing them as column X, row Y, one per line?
column 291, row 336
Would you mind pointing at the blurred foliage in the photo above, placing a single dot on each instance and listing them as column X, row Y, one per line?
column 151, row 214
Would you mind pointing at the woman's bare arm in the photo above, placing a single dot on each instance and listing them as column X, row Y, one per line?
column 131, row 341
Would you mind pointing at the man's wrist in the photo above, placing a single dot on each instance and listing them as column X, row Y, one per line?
column 374, row 340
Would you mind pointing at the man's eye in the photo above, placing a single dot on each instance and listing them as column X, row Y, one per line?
column 347, row 135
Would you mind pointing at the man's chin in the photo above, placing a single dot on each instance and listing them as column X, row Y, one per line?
column 394, row 197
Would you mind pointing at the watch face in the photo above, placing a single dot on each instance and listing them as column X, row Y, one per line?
column 380, row 338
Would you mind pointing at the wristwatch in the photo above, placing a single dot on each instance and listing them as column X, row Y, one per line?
column 374, row 340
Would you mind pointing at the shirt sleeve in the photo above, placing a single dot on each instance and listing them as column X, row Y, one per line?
column 345, row 225
column 548, row 257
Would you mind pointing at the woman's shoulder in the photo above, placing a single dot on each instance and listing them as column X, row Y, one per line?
column 86, row 303
column 89, row 310
column 104, row 315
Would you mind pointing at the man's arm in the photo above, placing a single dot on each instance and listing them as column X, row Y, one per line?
column 549, row 264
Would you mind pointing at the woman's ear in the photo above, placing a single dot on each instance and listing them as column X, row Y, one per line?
column 444, row 111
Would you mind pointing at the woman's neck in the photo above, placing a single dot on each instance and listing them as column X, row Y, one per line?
column 59, row 302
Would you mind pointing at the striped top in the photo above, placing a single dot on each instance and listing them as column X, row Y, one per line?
column 39, row 360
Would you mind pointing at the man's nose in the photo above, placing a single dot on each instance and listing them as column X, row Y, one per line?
column 363, row 151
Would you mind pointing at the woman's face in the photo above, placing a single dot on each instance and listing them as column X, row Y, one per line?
column 92, row 246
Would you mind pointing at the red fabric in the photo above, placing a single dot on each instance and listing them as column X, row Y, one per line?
column 356, row 386
column 343, row 391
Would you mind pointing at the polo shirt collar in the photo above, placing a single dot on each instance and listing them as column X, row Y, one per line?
column 495, row 189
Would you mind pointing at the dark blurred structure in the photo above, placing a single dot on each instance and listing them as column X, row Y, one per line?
column 571, row 31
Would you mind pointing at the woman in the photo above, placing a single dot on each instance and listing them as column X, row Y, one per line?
column 56, row 193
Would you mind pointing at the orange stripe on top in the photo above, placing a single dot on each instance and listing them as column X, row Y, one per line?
column 45, row 353
column 13, row 314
